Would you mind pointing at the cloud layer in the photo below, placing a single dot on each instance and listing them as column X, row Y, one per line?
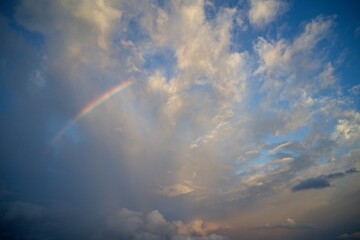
column 234, row 110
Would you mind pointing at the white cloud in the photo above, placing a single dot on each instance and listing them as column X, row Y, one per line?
column 262, row 12
column 100, row 15
column 279, row 57
column 293, row 74
column 313, row 33
column 178, row 189
column 279, row 147
column 77, row 32
column 290, row 221
column 355, row 90
column 347, row 129
column 327, row 77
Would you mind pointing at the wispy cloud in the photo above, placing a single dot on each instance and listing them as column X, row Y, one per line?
column 289, row 225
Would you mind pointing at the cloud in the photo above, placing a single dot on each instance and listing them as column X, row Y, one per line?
column 20, row 210
column 357, row 32
column 97, row 15
column 214, row 130
column 285, row 65
column 311, row 183
column 280, row 146
column 135, row 225
column 355, row 235
column 322, row 181
column 178, row 189
column 262, row 12
column 289, row 225
column 355, row 90
column 347, row 129
column 328, row 77
column 278, row 57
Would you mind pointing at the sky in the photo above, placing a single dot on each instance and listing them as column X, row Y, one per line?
column 180, row 119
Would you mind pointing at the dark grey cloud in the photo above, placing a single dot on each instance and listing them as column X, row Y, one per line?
column 352, row 170
column 355, row 235
column 322, row 181
column 311, row 183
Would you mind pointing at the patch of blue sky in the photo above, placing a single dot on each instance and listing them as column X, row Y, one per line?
column 7, row 9
column 345, row 50
column 257, row 95
column 241, row 170
column 134, row 32
column 163, row 59
column 161, row 3
column 74, row 134
column 210, row 11
column 213, row 7
column 240, row 40
column 202, row 85
column 246, row 166
column 297, row 135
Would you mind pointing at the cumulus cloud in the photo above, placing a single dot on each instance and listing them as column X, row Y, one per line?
column 262, row 12
column 135, row 225
column 347, row 129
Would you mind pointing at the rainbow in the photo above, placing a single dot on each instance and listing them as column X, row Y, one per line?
column 91, row 106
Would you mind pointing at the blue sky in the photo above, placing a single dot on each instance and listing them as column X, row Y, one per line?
column 179, row 119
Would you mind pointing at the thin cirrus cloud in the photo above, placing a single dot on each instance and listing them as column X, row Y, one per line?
column 234, row 111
